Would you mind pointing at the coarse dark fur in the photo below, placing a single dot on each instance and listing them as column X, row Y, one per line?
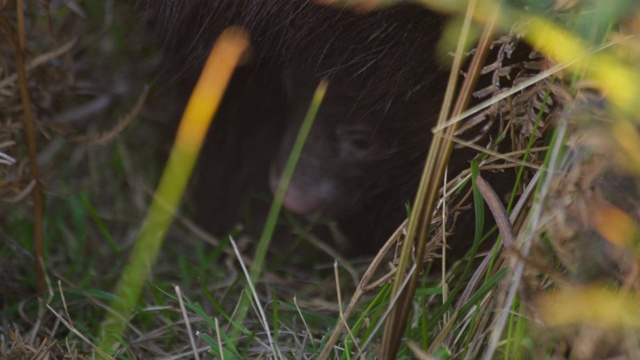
column 363, row 157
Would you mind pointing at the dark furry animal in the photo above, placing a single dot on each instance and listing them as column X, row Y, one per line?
column 362, row 161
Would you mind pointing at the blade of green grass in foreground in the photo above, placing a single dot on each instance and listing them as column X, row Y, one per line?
column 276, row 205
column 203, row 103
column 287, row 173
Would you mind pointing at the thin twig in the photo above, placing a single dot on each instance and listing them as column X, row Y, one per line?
column 518, row 268
column 185, row 316
column 29, row 129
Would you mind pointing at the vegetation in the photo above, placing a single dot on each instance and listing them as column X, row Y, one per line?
column 557, row 278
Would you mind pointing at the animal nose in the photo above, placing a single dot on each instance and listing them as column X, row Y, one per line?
column 303, row 196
